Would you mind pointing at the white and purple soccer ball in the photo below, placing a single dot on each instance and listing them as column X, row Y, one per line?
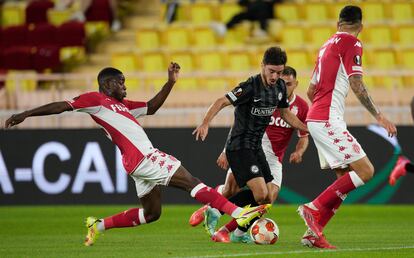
column 264, row 231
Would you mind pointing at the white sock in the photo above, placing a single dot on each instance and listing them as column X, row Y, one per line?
column 312, row 206
column 238, row 232
column 216, row 211
column 100, row 225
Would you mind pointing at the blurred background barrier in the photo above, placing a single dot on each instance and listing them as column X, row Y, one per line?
column 82, row 167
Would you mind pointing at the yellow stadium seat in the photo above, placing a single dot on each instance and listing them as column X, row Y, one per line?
column 378, row 36
column 388, row 82
column 201, row 13
column 177, row 37
column 204, row 37
column 214, row 83
column 236, row 36
column 405, row 35
column 369, row 81
column 147, row 39
column 238, row 61
column 76, row 54
column 154, row 83
column 383, row 59
column 13, row 14
column 152, row 61
column 187, row 84
column 126, row 62
column 292, row 36
column 372, row 12
column 57, row 17
column 406, row 58
column 316, row 12
column 318, row 35
column 210, row 61
column 184, row 59
column 298, row 59
column 100, row 28
column 334, row 9
column 15, row 82
column 400, row 11
column 227, row 10
column 287, row 12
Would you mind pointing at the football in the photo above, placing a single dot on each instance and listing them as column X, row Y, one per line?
column 264, row 231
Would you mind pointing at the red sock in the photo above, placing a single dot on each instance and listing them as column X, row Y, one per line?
column 337, row 191
column 208, row 195
column 327, row 214
column 232, row 225
column 129, row 218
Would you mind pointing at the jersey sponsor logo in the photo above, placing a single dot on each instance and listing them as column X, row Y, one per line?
column 265, row 111
column 117, row 107
column 256, row 100
column 357, row 60
column 279, row 96
column 279, row 122
column 358, row 44
column 254, row 169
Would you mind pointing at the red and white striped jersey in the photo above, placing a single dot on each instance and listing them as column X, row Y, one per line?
column 278, row 132
column 339, row 58
column 118, row 119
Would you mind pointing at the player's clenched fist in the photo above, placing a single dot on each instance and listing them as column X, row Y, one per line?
column 173, row 71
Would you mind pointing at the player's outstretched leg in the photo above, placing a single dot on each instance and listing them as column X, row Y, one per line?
column 198, row 216
column 309, row 239
column 93, row 232
column 399, row 170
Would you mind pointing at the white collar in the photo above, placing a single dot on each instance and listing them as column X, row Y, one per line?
column 293, row 99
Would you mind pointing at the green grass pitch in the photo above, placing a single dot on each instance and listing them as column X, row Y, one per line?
column 58, row 231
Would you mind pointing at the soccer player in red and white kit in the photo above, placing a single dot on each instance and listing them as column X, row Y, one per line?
column 338, row 67
column 274, row 143
column 148, row 166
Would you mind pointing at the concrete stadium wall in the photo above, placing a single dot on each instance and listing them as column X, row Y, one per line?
column 83, row 167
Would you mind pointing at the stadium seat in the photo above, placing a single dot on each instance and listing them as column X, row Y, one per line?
column 42, row 34
column 18, row 58
column 287, row 12
column 238, row 61
column 46, row 57
column 126, row 62
column 318, row 35
column 209, row 61
column 187, row 83
column 405, row 35
column 99, row 10
column 373, row 11
column 71, row 33
column 292, row 36
column 36, row 11
column 298, row 59
column 147, row 39
column 334, row 8
column 58, row 17
column 13, row 14
column 377, row 36
column 201, row 13
column 236, row 36
column 176, row 37
column 153, row 61
column 381, row 59
column 400, row 11
column 227, row 10
column 203, row 37
column 96, row 28
column 14, row 81
column 214, row 83
column 406, row 58
column 184, row 58
column 315, row 12
column 14, row 36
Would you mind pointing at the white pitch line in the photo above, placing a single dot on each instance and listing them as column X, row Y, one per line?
column 305, row 251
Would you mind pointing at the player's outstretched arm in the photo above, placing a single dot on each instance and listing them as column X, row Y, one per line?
column 48, row 109
column 202, row 130
column 301, row 146
column 156, row 102
column 357, row 85
column 292, row 119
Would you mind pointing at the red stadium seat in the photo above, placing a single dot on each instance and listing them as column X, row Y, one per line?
column 18, row 58
column 46, row 57
column 100, row 10
column 14, row 36
column 71, row 33
column 36, row 11
column 43, row 34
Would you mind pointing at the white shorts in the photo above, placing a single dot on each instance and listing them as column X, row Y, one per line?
column 337, row 148
column 157, row 168
column 275, row 168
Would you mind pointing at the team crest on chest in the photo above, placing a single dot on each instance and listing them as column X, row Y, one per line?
column 294, row 110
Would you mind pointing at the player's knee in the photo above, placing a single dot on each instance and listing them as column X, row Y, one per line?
column 152, row 216
column 368, row 173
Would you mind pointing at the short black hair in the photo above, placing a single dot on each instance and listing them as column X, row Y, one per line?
column 274, row 56
column 289, row 71
column 350, row 14
column 107, row 73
